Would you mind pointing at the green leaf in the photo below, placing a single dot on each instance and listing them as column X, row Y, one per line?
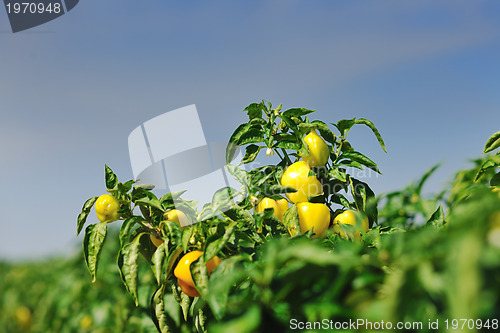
column 199, row 273
column 291, row 219
column 187, row 207
column 241, row 134
column 232, row 146
column 307, row 127
column 111, row 179
column 489, row 163
column 333, row 186
column 215, row 243
column 352, row 164
column 360, row 158
column 327, row 134
column 289, row 123
column 251, row 153
column 126, row 229
column 206, row 212
column 230, row 151
column 364, row 198
column 437, row 218
column 150, row 202
column 230, row 273
column 125, row 187
column 173, row 232
column 263, row 217
column 257, row 123
column 186, row 236
column 253, row 135
column 200, row 316
column 344, row 125
column 82, row 217
column 371, row 208
column 127, row 263
column 297, row 112
column 222, row 199
column 260, row 179
column 239, row 214
column 158, row 261
column 341, row 200
column 240, row 175
column 311, row 252
column 358, row 192
column 146, row 187
column 345, row 146
column 361, row 192
column 183, row 300
column 338, row 174
column 278, row 109
column 288, row 145
column 374, row 130
column 163, row 322
column 287, row 141
column 95, row 234
column 139, row 192
column 495, row 181
column 492, row 143
column 171, row 260
column 171, row 196
column 286, row 137
column 254, row 110
column 372, row 237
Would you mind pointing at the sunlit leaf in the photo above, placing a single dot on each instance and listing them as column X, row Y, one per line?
column 163, row 322
column 337, row 174
column 82, row 217
column 360, row 158
column 254, row 110
column 492, row 143
column 374, row 130
column 111, row 179
column 216, row 242
column 344, row 125
column 95, row 235
column 251, row 153
column 158, row 261
column 127, row 263
column 297, row 112
column 127, row 227
column 489, row 163
column 291, row 220
column 437, row 218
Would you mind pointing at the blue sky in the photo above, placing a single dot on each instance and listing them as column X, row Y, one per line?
column 427, row 73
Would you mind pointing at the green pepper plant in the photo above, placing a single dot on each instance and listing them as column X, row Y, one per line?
column 233, row 227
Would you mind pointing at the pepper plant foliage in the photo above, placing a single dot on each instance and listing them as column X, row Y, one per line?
column 229, row 227
column 283, row 133
column 493, row 162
